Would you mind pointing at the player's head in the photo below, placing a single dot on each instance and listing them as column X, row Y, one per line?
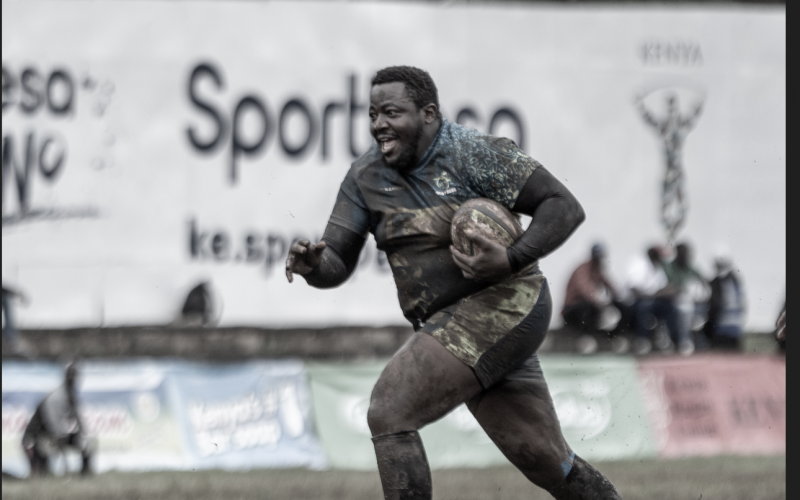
column 402, row 102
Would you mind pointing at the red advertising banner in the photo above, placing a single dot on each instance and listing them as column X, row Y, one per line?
column 716, row 404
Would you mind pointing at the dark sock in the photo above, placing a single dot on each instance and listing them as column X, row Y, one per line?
column 403, row 466
column 584, row 482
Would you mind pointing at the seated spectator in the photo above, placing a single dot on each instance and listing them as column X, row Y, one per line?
column 726, row 308
column 588, row 292
column 198, row 309
column 56, row 425
column 651, row 298
column 690, row 292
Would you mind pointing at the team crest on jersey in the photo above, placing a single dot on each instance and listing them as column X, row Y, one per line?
column 443, row 184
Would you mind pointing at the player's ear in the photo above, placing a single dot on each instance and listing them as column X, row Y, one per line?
column 430, row 112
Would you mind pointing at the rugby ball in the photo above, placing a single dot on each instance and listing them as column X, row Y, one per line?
column 487, row 218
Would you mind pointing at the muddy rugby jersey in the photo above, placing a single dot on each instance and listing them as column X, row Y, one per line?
column 409, row 213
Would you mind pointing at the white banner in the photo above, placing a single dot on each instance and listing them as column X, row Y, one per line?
column 150, row 145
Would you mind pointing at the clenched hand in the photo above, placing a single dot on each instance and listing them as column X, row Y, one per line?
column 303, row 257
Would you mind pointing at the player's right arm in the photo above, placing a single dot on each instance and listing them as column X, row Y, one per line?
column 330, row 262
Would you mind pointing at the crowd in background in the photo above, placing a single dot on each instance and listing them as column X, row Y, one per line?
column 664, row 301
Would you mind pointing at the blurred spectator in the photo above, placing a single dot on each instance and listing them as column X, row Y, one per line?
column 588, row 293
column 198, row 307
column 55, row 426
column 726, row 308
column 10, row 333
column 691, row 291
column 780, row 331
column 651, row 298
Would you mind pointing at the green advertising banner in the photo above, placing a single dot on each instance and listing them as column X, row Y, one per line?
column 341, row 394
column 598, row 401
column 600, row 405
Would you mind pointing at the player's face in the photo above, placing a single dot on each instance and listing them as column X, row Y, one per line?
column 396, row 123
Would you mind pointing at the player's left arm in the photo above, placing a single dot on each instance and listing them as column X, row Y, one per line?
column 555, row 214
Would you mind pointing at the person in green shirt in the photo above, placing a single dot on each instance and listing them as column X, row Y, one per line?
column 682, row 275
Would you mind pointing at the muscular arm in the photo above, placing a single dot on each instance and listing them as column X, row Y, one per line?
column 555, row 215
column 338, row 259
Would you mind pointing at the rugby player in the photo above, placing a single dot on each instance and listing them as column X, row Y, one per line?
column 479, row 319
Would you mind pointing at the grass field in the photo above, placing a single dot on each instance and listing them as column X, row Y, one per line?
column 728, row 478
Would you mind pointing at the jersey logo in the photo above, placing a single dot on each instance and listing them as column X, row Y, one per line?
column 393, row 188
column 443, row 183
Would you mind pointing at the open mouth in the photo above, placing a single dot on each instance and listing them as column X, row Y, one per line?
column 388, row 144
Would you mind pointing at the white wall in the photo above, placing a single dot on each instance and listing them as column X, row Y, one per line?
column 106, row 239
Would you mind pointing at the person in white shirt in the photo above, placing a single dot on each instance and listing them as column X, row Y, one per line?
column 652, row 298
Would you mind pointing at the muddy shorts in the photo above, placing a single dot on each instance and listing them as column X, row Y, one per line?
column 497, row 330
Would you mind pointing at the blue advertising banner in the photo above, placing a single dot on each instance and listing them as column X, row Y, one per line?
column 252, row 415
column 149, row 415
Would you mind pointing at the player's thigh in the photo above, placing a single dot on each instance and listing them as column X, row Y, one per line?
column 421, row 383
column 519, row 416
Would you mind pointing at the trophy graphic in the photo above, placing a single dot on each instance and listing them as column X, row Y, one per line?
column 672, row 128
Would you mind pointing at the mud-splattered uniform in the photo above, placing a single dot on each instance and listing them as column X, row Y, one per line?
column 490, row 327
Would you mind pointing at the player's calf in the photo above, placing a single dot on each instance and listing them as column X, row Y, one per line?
column 584, row 482
column 403, row 466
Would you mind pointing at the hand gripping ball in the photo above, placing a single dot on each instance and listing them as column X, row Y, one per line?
column 487, row 218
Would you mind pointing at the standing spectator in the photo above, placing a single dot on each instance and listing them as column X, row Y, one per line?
column 588, row 292
column 780, row 331
column 726, row 308
column 685, row 280
column 652, row 299
column 10, row 332
column 56, row 425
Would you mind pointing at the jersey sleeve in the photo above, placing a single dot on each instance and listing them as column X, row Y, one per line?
column 498, row 169
column 350, row 210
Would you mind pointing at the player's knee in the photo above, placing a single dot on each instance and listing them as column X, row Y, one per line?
column 384, row 418
column 378, row 417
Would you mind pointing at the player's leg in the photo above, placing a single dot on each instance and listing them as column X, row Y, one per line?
column 86, row 446
column 519, row 416
column 421, row 383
